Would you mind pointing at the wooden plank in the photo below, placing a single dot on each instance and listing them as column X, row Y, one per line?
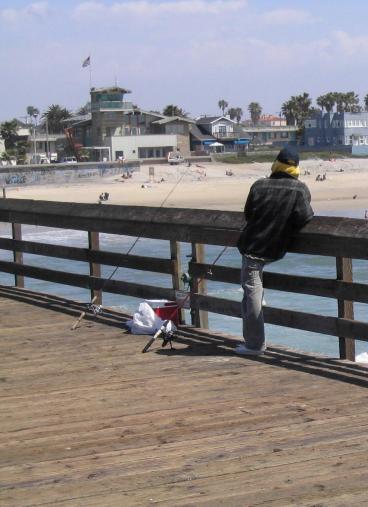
column 344, row 271
column 89, row 420
column 84, row 254
column 95, row 268
column 198, row 286
column 175, row 252
column 17, row 255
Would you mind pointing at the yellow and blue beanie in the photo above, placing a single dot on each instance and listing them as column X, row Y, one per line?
column 287, row 161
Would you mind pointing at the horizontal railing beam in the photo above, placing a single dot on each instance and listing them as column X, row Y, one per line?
column 154, row 264
column 334, row 236
column 288, row 318
column 312, row 286
column 89, row 282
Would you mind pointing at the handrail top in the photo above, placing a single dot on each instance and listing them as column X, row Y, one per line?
column 329, row 236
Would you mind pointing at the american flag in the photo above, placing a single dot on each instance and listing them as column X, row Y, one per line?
column 86, row 62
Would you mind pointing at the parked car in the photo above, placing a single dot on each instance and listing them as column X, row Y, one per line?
column 174, row 157
column 69, row 160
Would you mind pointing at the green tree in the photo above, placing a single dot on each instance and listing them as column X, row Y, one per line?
column 21, row 148
column 172, row 110
column 33, row 113
column 347, row 102
column 84, row 109
column 351, row 102
column 326, row 101
column 366, row 102
column 297, row 109
column 235, row 113
column 222, row 104
column 54, row 115
column 255, row 111
column 8, row 131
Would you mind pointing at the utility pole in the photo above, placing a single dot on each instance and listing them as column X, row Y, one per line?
column 47, row 139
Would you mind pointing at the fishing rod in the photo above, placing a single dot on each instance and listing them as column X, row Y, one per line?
column 96, row 309
column 166, row 328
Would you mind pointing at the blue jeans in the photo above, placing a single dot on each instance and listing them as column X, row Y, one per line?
column 252, row 312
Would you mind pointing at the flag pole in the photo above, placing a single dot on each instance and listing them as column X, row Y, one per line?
column 90, row 72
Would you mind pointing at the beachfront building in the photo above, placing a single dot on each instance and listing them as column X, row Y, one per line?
column 267, row 120
column 218, row 133
column 326, row 130
column 117, row 128
column 277, row 136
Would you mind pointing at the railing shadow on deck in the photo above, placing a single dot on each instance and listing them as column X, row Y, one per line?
column 200, row 343
column 281, row 357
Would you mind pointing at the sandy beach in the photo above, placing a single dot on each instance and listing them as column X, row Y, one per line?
column 206, row 185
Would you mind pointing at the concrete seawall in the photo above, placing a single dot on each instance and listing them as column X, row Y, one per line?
column 62, row 173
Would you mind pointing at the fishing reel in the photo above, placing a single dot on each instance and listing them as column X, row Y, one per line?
column 186, row 279
column 166, row 332
column 95, row 309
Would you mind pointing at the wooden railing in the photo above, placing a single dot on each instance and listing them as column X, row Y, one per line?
column 342, row 238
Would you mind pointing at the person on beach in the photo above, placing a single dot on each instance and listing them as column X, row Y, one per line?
column 275, row 209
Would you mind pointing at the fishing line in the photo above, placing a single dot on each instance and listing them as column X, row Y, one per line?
column 98, row 308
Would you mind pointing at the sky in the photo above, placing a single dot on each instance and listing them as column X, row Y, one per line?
column 190, row 53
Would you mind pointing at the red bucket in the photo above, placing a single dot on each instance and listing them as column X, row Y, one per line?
column 166, row 310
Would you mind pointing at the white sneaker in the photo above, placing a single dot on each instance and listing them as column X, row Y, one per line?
column 244, row 351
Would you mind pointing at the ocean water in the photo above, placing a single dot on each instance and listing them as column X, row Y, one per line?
column 307, row 265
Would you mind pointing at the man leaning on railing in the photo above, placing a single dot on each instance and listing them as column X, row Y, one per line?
column 275, row 209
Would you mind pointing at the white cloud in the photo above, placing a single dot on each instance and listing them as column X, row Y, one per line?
column 91, row 9
column 349, row 45
column 287, row 16
column 33, row 10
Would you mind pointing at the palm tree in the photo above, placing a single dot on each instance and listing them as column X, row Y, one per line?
column 54, row 116
column 172, row 110
column 351, row 102
column 235, row 113
column 8, row 131
column 255, row 111
column 297, row 109
column 33, row 113
column 366, row 102
column 326, row 101
column 222, row 104
column 289, row 110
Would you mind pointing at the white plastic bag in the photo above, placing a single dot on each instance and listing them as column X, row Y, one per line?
column 145, row 321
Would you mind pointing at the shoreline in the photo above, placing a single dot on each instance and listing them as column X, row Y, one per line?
column 208, row 186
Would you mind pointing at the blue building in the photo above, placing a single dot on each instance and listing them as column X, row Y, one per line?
column 327, row 130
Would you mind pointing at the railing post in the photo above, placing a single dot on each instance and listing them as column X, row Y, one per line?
column 175, row 250
column 344, row 271
column 18, row 256
column 199, row 317
column 95, row 269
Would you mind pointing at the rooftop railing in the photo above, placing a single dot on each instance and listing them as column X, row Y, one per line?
column 111, row 104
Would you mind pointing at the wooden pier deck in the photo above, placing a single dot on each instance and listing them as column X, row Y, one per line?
column 87, row 420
